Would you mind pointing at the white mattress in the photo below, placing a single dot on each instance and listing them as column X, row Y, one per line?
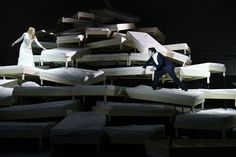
column 80, row 90
column 84, row 15
column 8, row 82
column 97, row 31
column 120, row 58
column 143, row 41
column 126, row 71
column 134, row 134
column 25, row 129
column 211, row 67
column 184, row 73
column 40, row 110
column 167, row 95
column 79, row 127
column 198, row 71
column 179, row 46
column 153, row 31
column 218, row 93
column 16, row 71
column 210, row 119
column 72, row 76
column 62, row 54
column 6, row 98
column 107, row 43
column 121, row 27
column 189, row 74
column 68, row 20
column 135, row 109
column 70, row 39
column 47, row 45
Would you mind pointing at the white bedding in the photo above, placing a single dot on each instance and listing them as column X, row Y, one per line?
column 167, row 95
column 72, row 76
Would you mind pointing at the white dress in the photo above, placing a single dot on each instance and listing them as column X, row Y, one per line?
column 26, row 55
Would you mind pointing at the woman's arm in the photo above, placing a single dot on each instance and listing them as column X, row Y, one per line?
column 18, row 40
column 39, row 44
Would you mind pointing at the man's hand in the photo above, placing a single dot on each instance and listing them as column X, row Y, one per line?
column 152, row 69
column 144, row 70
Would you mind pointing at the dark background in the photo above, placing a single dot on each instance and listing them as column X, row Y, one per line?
column 208, row 27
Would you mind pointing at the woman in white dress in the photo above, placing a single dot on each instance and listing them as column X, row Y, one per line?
column 26, row 55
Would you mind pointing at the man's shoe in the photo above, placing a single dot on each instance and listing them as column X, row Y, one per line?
column 155, row 88
column 185, row 89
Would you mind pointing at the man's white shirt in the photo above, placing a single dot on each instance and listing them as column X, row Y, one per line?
column 154, row 56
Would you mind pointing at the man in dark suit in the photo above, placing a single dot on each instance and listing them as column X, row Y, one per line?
column 162, row 66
